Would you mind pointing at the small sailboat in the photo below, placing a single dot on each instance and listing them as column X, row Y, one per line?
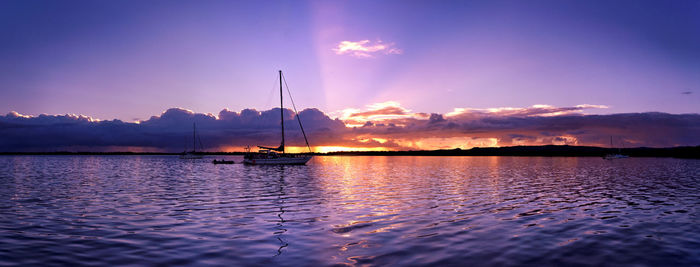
column 619, row 154
column 276, row 155
column 193, row 154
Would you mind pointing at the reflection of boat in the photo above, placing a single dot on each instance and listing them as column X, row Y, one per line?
column 615, row 156
column 193, row 154
column 276, row 155
column 222, row 161
column 619, row 155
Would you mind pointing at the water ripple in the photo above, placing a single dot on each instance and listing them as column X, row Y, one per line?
column 416, row 211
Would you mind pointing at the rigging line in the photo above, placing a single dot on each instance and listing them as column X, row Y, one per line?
column 295, row 111
column 271, row 94
column 186, row 141
column 199, row 137
column 259, row 123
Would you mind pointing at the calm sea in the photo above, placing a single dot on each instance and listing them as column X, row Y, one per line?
column 470, row 211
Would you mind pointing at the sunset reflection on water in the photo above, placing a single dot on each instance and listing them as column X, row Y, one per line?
column 349, row 210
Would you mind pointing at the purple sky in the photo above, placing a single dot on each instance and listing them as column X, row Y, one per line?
column 130, row 60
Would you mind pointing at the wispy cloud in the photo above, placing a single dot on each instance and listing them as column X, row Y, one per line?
column 365, row 48
column 535, row 110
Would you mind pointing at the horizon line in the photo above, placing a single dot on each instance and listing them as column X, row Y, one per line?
column 339, row 151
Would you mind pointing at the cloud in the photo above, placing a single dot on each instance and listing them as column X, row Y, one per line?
column 535, row 110
column 170, row 131
column 535, row 125
column 633, row 129
column 687, row 92
column 381, row 111
column 385, row 125
column 365, row 49
column 389, row 112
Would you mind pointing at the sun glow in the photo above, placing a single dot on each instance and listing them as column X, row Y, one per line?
column 326, row 149
column 432, row 143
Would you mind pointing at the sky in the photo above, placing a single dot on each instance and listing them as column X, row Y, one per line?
column 374, row 73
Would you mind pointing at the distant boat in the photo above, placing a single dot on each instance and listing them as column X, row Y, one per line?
column 193, row 154
column 222, row 161
column 619, row 155
column 276, row 155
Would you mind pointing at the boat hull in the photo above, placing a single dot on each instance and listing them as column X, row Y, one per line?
column 222, row 162
column 277, row 161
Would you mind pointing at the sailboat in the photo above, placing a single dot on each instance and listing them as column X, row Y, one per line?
column 619, row 154
column 192, row 154
column 276, row 155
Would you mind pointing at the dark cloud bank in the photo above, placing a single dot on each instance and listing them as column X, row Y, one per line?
column 172, row 130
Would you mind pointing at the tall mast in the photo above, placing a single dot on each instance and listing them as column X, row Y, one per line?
column 281, row 112
column 194, row 133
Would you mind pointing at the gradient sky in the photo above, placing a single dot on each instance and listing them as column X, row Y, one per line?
column 128, row 60
column 131, row 60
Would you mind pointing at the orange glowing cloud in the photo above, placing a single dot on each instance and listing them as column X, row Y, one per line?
column 365, row 49
column 399, row 128
column 389, row 113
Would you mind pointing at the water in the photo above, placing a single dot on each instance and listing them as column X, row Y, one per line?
column 486, row 211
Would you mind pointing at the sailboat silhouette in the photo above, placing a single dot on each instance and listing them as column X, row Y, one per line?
column 276, row 155
column 612, row 156
column 193, row 154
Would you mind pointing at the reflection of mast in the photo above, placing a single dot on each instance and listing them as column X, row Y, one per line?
column 280, row 226
column 281, row 112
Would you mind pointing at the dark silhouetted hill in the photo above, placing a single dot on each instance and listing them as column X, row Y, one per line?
column 521, row 151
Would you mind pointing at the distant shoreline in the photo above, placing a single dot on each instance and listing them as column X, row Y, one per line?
column 520, row 151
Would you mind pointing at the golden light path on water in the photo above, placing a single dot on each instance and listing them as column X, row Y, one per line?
column 349, row 210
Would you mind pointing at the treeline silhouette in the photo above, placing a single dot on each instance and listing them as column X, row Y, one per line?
column 522, row 151
column 541, row 151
